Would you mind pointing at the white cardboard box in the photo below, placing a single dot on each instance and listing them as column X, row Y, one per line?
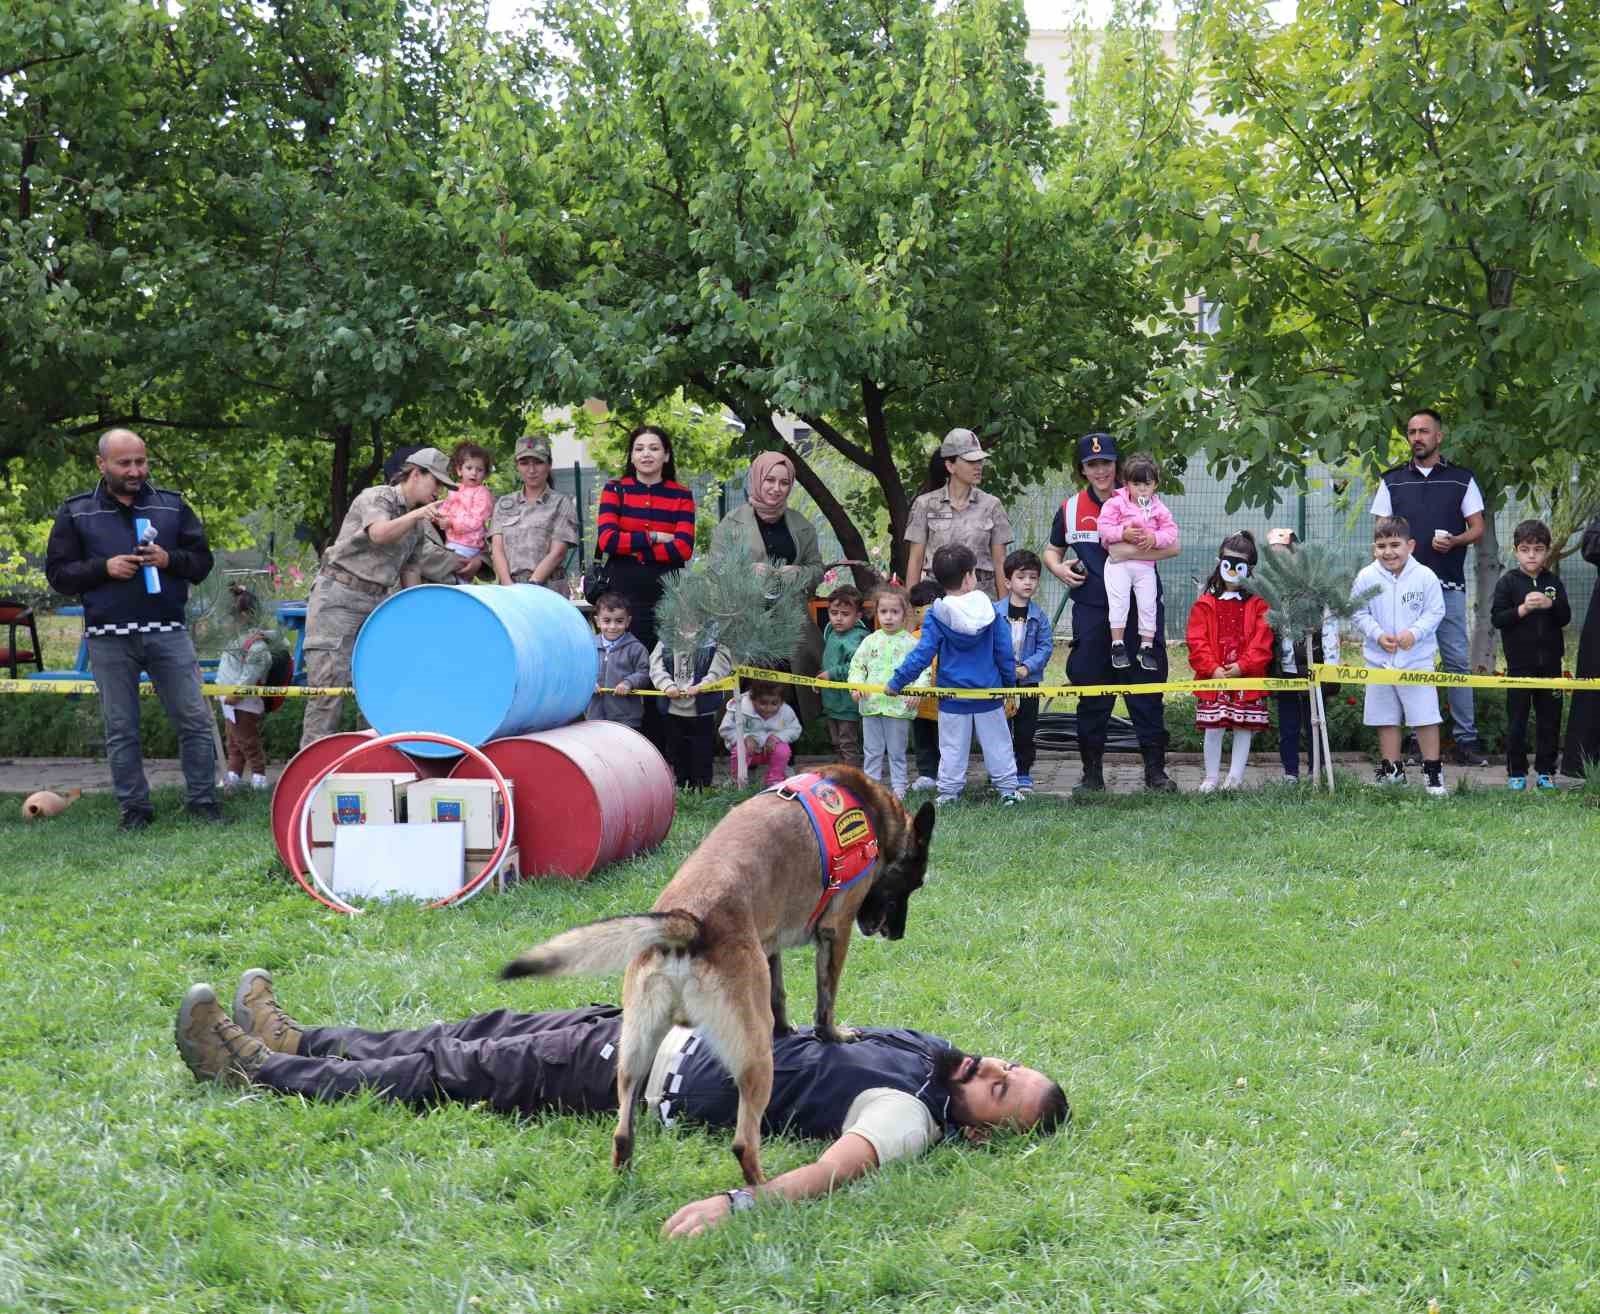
column 358, row 799
column 474, row 803
column 382, row 860
column 322, row 862
column 509, row 874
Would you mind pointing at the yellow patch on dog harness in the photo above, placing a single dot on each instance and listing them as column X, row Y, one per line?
column 846, row 844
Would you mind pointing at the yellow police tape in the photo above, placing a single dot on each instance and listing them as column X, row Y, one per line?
column 1331, row 673
column 1029, row 691
column 145, row 687
column 1321, row 673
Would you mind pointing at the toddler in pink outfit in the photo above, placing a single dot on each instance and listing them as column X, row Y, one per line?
column 469, row 506
column 1136, row 507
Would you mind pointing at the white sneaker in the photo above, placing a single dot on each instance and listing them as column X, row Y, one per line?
column 944, row 800
column 1232, row 783
column 230, row 782
column 258, row 782
column 1208, row 785
column 924, row 782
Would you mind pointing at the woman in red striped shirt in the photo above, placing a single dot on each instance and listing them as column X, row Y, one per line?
column 646, row 527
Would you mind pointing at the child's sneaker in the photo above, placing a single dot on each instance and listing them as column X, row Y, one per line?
column 944, row 800
column 1119, row 654
column 1010, row 800
column 230, row 782
column 1290, row 779
column 1544, row 782
column 258, row 783
column 1231, row 782
column 1517, row 783
column 1147, row 659
column 1024, row 784
column 924, row 782
column 1208, row 785
column 1433, row 777
column 1389, row 773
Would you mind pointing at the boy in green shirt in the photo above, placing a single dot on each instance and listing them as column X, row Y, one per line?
column 844, row 635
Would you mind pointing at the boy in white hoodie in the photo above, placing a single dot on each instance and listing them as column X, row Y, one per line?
column 974, row 652
column 1398, row 623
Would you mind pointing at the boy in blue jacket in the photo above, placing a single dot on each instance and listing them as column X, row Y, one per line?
column 1033, row 643
column 974, row 650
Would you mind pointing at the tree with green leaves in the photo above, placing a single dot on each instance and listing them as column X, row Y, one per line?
column 224, row 235
column 1392, row 206
column 827, row 208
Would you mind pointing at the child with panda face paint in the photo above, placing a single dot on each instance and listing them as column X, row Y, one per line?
column 1229, row 638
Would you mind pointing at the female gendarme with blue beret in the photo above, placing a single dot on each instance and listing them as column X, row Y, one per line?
column 1076, row 528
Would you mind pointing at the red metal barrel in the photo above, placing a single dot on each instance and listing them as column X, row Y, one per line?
column 316, row 758
column 586, row 795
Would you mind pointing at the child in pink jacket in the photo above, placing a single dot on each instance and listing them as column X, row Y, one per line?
column 1134, row 506
column 468, row 508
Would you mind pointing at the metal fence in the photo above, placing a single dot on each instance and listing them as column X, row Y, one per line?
column 1332, row 510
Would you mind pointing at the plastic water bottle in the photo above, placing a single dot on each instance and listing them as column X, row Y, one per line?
column 147, row 535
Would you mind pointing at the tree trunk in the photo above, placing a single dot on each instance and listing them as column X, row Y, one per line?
column 339, row 495
column 851, row 543
column 1481, row 656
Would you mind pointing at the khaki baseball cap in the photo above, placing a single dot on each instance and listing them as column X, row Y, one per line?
column 434, row 462
column 534, row 446
column 963, row 443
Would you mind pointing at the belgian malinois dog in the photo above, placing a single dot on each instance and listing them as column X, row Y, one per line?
column 707, row 954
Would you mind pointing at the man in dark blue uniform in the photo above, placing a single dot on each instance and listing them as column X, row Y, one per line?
column 889, row 1095
column 1076, row 528
column 134, row 620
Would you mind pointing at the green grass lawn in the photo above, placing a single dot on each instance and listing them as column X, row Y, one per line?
column 1323, row 1055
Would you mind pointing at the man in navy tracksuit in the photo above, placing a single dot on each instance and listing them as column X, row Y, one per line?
column 888, row 1097
column 94, row 553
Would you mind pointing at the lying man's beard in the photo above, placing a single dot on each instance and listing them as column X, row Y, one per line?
column 953, row 1069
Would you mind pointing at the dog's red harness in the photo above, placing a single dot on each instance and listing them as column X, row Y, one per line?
column 846, row 844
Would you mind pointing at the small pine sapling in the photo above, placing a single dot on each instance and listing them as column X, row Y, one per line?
column 1304, row 587
column 757, row 613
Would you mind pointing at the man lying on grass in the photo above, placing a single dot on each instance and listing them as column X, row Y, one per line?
column 888, row 1096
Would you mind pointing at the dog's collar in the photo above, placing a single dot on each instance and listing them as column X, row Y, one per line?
column 846, row 844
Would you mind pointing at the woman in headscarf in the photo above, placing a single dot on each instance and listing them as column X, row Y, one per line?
column 767, row 529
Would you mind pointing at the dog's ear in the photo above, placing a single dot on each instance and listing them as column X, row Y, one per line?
column 922, row 826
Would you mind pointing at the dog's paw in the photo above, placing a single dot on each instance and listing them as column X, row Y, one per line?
column 781, row 1029
column 841, row 1035
column 621, row 1152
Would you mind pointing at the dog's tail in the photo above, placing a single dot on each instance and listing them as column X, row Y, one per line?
column 608, row 946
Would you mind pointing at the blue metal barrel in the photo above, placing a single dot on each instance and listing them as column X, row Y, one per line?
column 476, row 662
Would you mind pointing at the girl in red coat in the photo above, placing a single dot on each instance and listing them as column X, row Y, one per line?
column 1228, row 639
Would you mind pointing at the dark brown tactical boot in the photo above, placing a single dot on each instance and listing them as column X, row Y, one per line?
column 212, row 1045
column 255, row 1009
